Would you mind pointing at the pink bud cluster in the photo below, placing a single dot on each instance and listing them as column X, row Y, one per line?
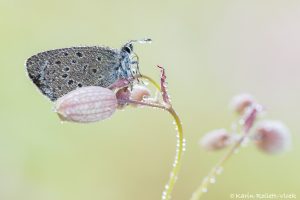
column 272, row 137
column 269, row 136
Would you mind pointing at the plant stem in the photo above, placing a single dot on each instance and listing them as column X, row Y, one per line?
column 180, row 146
column 154, row 105
column 215, row 170
column 151, row 81
column 248, row 122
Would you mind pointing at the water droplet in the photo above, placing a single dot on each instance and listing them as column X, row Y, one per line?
column 204, row 190
column 219, row 170
column 245, row 142
column 241, row 121
column 164, row 195
column 212, row 180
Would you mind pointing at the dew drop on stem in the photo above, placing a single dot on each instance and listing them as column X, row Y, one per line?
column 219, row 170
column 204, row 190
column 212, row 180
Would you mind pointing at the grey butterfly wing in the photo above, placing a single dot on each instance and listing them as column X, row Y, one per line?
column 57, row 72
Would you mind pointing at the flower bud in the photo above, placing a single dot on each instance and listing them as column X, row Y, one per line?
column 139, row 92
column 272, row 137
column 241, row 102
column 86, row 104
column 215, row 140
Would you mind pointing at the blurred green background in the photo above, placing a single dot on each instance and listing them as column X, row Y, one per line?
column 212, row 50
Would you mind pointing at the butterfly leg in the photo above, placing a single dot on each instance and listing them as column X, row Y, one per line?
column 120, row 84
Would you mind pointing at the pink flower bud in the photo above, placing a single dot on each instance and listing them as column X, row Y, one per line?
column 139, row 92
column 86, row 104
column 241, row 102
column 272, row 137
column 215, row 140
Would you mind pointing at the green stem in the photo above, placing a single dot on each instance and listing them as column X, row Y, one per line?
column 151, row 81
column 180, row 147
column 210, row 178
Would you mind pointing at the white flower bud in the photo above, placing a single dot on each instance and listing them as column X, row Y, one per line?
column 86, row 104
column 139, row 93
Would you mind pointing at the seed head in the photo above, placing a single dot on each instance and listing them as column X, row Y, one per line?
column 86, row 104
column 241, row 102
column 272, row 137
column 216, row 140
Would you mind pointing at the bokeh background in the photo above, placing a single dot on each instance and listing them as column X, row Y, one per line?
column 211, row 49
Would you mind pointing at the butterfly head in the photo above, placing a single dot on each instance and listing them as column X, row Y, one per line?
column 130, row 63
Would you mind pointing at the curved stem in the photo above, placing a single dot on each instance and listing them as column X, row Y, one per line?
column 156, row 85
column 154, row 105
column 247, row 124
column 180, row 148
column 180, row 145
column 210, row 178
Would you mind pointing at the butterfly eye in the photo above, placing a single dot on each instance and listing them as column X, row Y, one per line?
column 127, row 49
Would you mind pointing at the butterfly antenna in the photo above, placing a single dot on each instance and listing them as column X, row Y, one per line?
column 142, row 41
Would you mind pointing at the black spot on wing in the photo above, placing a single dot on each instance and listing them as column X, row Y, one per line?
column 79, row 54
column 70, row 82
